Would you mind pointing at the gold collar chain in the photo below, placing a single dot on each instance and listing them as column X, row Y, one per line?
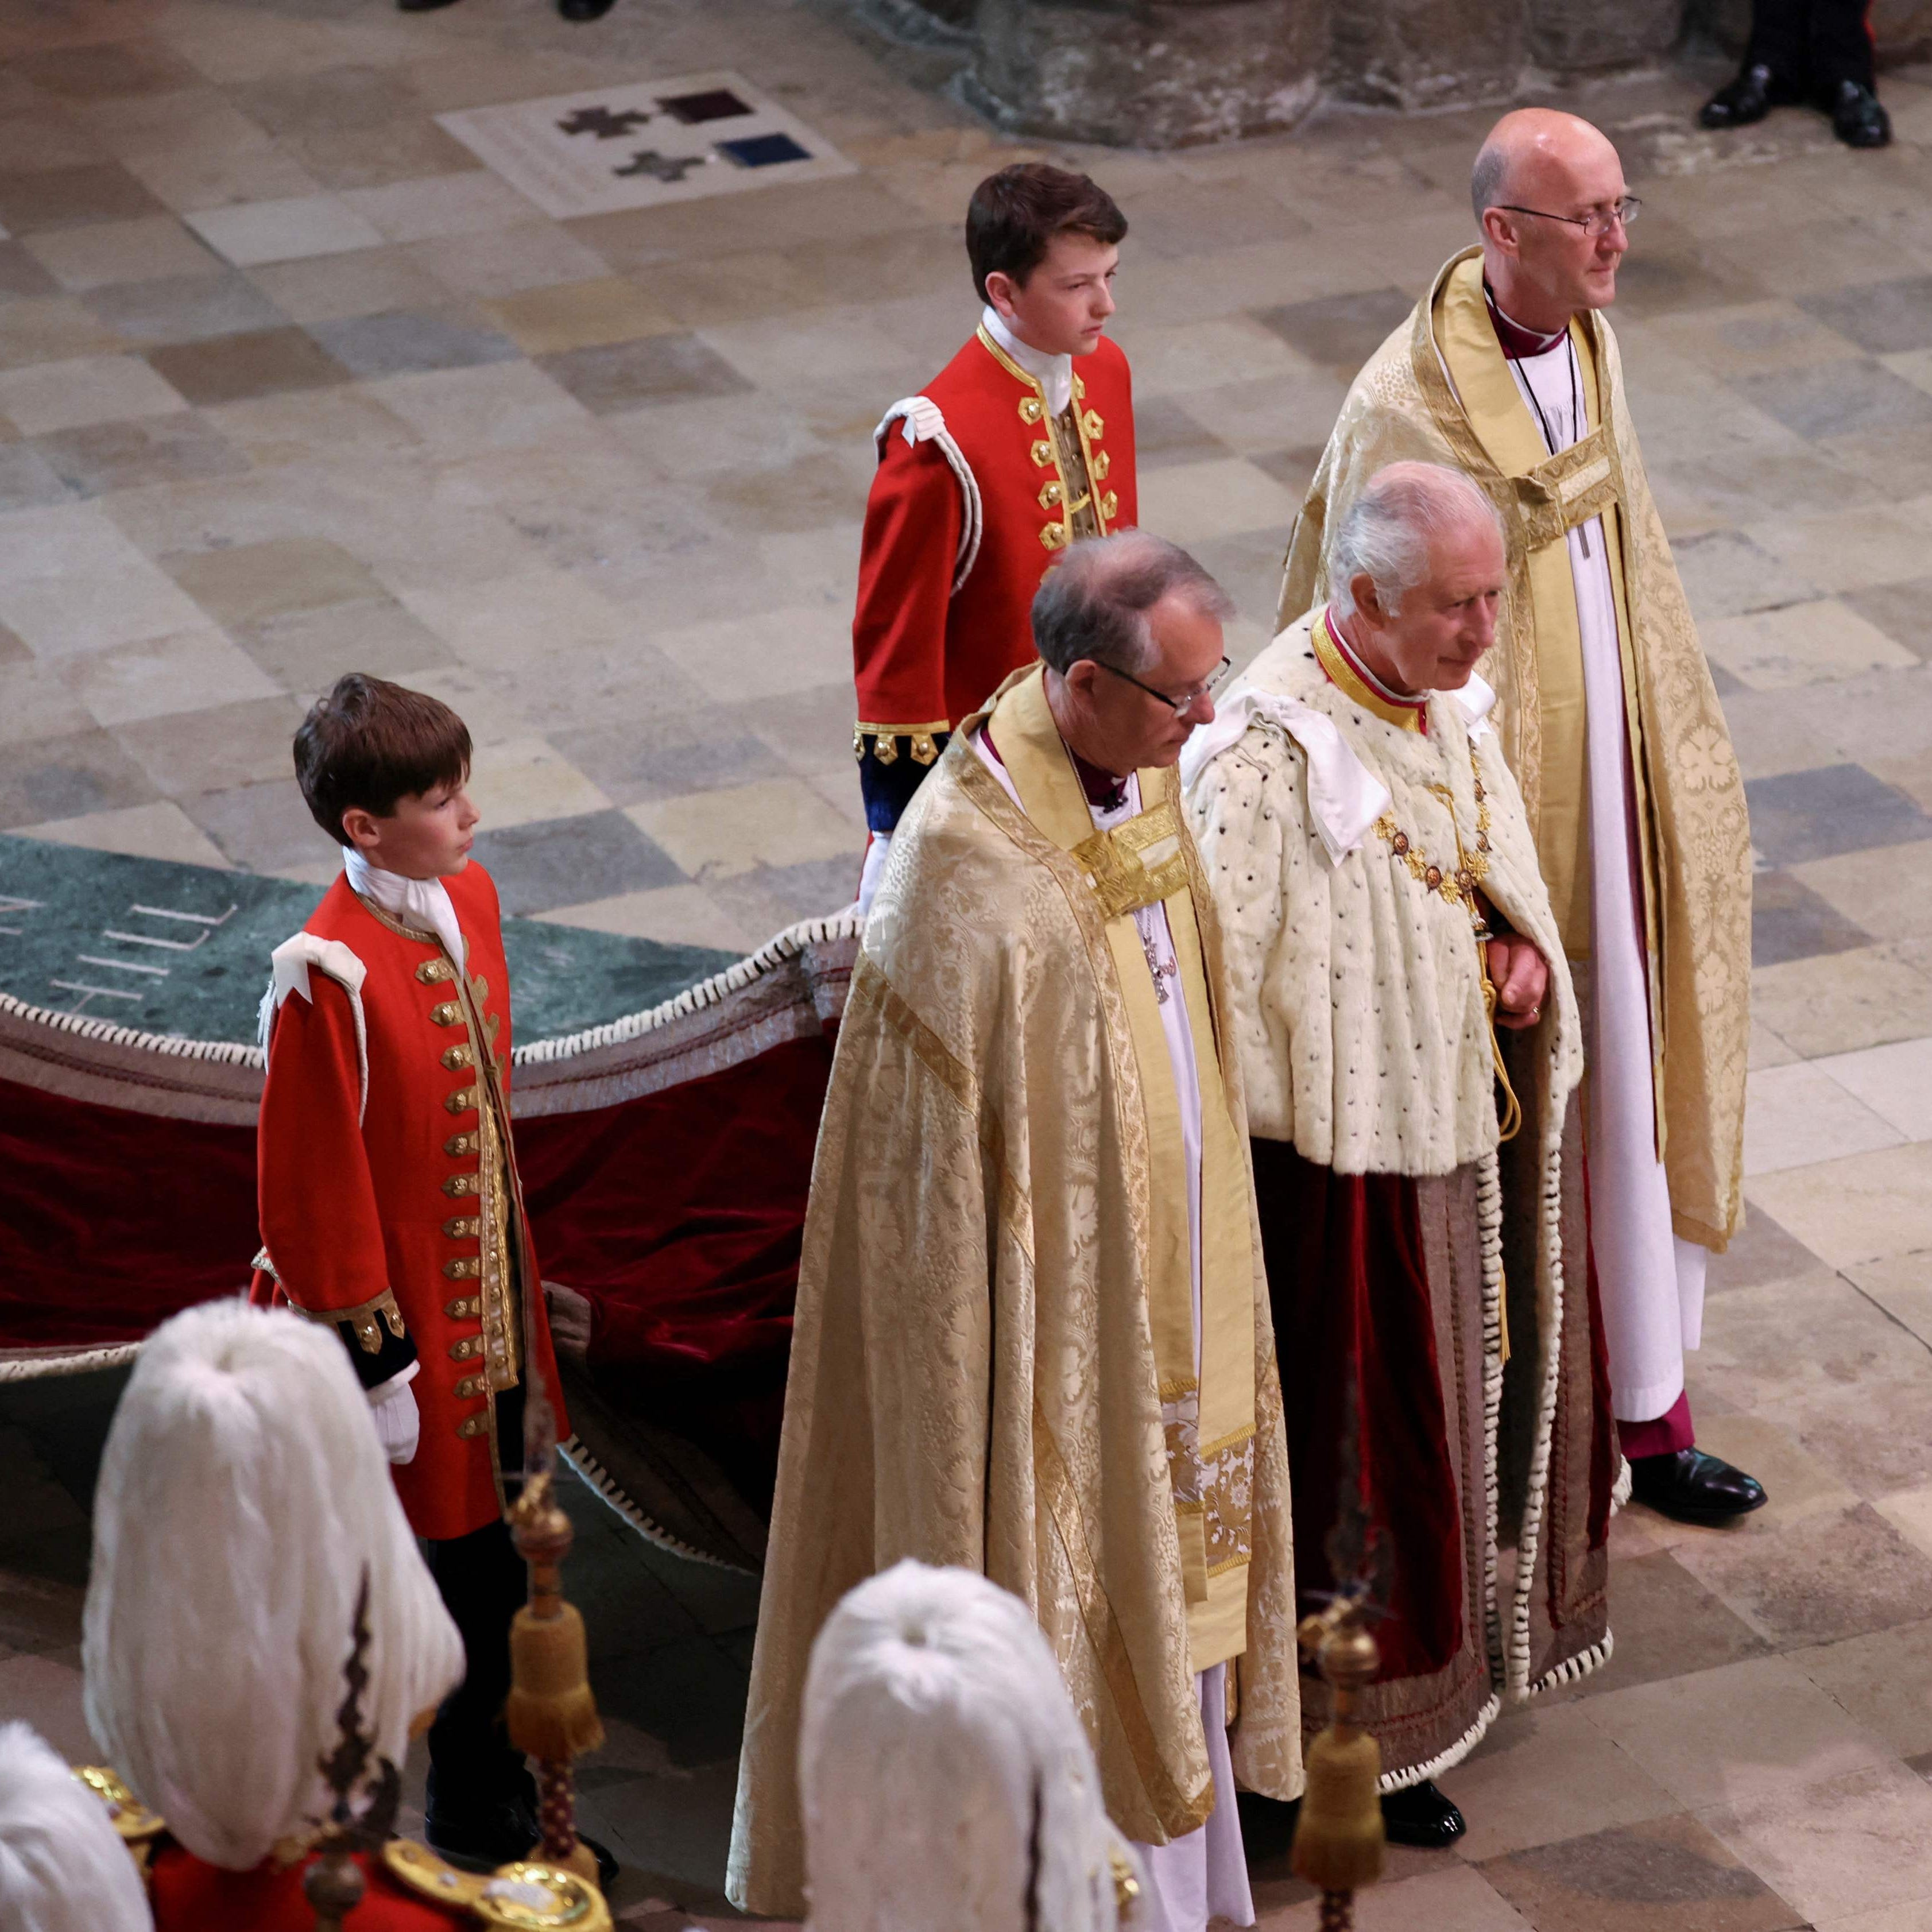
column 1458, row 887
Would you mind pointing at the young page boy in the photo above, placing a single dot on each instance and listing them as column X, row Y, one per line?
column 389, row 1202
column 1008, row 455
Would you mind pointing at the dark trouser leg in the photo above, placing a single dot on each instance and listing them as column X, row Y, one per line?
column 1780, row 39
column 484, row 1583
column 1841, row 46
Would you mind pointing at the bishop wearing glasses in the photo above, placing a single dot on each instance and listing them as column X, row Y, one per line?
column 1033, row 1336
column 1507, row 370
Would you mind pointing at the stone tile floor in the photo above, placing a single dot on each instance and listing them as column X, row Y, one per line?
column 288, row 384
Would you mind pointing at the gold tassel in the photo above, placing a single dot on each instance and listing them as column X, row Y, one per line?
column 1339, row 1837
column 550, row 1712
column 1338, row 1842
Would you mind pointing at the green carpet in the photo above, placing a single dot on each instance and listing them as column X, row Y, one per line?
column 174, row 949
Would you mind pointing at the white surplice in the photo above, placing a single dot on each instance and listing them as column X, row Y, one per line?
column 1651, row 1281
column 1204, row 1874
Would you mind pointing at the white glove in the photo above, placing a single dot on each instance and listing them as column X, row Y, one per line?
column 392, row 1405
column 878, row 850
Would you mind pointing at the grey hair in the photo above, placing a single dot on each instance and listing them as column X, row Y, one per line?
column 1387, row 532
column 1487, row 177
column 1094, row 602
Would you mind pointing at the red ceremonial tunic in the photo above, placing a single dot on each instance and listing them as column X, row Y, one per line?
column 189, row 1895
column 961, row 526
column 399, row 1220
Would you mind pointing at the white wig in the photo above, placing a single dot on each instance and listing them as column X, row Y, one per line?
column 63, row 1866
column 1387, row 533
column 243, row 1498
column 948, row 1785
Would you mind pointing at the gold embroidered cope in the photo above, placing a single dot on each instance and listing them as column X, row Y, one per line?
column 994, row 1361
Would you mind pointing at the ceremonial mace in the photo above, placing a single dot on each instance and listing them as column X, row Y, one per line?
column 1338, row 1836
column 550, row 1714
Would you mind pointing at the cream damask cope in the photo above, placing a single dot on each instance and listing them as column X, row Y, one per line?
column 973, row 1377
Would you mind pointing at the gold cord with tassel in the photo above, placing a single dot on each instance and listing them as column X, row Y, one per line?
column 1511, row 1123
column 551, row 1713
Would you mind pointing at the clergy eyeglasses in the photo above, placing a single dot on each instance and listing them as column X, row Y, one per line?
column 1179, row 706
column 1597, row 223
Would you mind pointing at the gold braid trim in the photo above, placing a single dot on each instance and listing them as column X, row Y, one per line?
column 1180, row 1813
column 368, row 1318
column 885, row 740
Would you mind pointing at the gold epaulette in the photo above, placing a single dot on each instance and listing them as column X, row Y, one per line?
column 526, row 1897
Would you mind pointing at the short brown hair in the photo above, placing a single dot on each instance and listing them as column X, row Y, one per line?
column 369, row 743
column 1015, row 214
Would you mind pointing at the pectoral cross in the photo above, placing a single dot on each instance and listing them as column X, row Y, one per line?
column 1163, row 970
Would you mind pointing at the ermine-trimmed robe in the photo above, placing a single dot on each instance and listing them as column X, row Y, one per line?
column 1402, row 1247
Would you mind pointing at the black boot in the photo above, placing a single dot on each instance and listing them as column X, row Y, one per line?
column 1694, row 1487
column 480, row 1830
column 583, row 10
column 1421, row 1815
column 1748, row 98
column 1858, row 118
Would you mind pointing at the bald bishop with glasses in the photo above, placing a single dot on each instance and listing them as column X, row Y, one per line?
column 1507, row 371
column 1032, row 1333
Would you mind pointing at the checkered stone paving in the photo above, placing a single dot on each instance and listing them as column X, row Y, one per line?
column 291, row 382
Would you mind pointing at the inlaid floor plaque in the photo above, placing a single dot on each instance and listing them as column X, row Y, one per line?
column 639, row 146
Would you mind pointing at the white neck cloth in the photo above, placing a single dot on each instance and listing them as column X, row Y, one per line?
column 1054, row 373
column 419, row 902
column 1345, row 798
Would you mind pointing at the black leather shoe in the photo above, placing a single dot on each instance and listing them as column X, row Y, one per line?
column 1748, row 98
column 480, row 1837
column 584, row 10
column 421, row 6
column 1694, row 1487
column 1858, row 118
column 1421, row 1816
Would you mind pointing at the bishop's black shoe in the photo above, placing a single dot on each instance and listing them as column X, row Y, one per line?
column 1858, row 118
column 1421, row 1815
column 584, row 10
column 1750, row 97
column 1694, row 1487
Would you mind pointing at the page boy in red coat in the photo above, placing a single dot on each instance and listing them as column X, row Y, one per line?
column 1008, row 455
column 388, row 1197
